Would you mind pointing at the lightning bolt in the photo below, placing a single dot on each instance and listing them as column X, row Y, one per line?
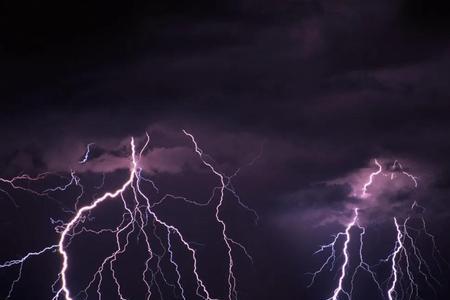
column 224, row 184
column 404, row 259
column 369, row 182
column 340, row 288
column 346, row 235
column 400, row 167
column 138, row 219
column 398, row 248
column 86, row 154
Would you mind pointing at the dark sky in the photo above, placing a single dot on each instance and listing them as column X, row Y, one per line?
column 317, row 88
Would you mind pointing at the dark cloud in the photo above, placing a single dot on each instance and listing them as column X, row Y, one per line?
column 318, row 88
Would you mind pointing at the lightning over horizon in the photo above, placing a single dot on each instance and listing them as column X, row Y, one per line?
column 162, row 241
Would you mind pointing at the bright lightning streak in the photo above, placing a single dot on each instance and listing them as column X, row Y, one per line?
column 135, row 218
column 65, row 264
column 404, row 258
column 370, row 181
column 86, row 154
column 340, row 289
column 398, row 247
column 345, row 253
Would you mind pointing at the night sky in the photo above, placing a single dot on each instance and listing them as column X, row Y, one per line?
column 302, row 95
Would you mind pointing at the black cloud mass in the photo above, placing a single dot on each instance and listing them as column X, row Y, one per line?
column 315, row 90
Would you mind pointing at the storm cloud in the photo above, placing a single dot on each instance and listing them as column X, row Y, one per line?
column 315, row 90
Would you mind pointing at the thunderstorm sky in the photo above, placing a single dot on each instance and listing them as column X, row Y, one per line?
column 315, row 90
